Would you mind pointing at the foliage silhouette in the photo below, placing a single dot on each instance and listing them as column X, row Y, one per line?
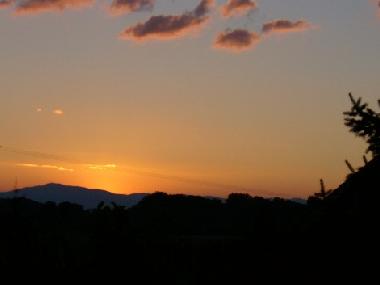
column 365, row 123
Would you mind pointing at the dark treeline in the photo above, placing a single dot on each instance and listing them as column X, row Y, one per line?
column 186, row 237
column 179, row 239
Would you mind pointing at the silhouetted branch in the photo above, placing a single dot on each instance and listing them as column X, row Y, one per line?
column 349, row 166
column 365, row 160
column 323, row 188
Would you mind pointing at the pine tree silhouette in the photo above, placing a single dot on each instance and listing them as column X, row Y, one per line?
column 365, row 123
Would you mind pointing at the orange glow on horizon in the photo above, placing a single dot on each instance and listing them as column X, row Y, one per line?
column 211, row 112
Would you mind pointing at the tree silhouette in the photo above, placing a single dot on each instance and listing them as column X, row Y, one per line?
column 365, row 123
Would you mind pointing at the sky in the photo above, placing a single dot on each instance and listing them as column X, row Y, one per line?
column 184, row 96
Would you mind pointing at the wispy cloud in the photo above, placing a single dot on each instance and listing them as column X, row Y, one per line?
column 286, row 26
column 237, row 7
column 123, row 169
column 101, row 166
column 236, row 40
column 119, row 7
column 58, row 112
column 45, row 166
column 39, row 6
column 169, row 27
column 36, row 154
column 5, row 3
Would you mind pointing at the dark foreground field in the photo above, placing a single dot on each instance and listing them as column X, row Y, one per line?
column 191, row 240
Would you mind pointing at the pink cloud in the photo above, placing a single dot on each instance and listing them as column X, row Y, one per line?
column 169, row 27
column 236, row 40
column 119, row 7
column 377, row 3
column 5, row 3
column 39, row 6
column 285, row 26
column 236, row 7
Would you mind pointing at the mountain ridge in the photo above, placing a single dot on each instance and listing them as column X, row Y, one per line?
column 88, row 198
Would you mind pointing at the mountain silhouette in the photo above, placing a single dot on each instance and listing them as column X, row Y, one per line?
column 88, row 198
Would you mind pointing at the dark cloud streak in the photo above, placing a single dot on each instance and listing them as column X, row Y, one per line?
column 236, row 40
column 285, row 26
column 38, row 6
column 119, row 7
column 36, row 154
column 234, row 7
column 166, row 27
column 5, row 3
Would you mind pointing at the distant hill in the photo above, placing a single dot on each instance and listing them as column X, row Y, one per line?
column 299, row 201
column 88, row 198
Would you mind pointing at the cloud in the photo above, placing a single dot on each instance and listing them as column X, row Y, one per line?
column 5, row 3
column 236, row 7
column 236, row 40
column 285, row 26
column 119, row 7
column 137, row 171
column 45, row 166
column 36, row 154
column 38, row 6
column 377, row 3
column 101, row 166
column 168, row 27
column 58, row 112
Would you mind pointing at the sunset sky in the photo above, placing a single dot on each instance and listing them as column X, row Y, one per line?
column 202, row 97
